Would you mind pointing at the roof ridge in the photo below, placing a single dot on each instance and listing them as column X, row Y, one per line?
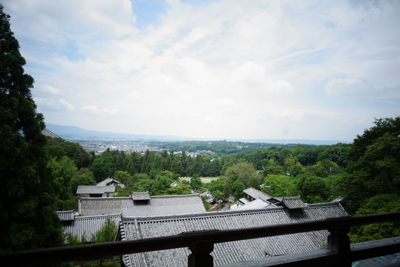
column 204, row 214
column 172, row 196
column 98, row 216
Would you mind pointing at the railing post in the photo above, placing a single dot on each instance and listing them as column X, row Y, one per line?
column 201, row 254
column 339, row 241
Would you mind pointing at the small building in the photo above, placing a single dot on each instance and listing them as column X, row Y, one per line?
column 110, row 181
column 96, row 191
column 174, row 184
column 252, row 194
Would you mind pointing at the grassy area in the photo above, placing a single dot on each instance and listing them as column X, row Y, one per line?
column 204, row 180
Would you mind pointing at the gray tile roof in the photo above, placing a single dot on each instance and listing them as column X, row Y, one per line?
column 386, row 260
column 94, row 189
column 66, row 215
column 88, row 225
column 229, row 252
column 49, row 133
column 140, row 195
column 158, row 205
column 293, row 203
column 110, row 181
column 257, row 194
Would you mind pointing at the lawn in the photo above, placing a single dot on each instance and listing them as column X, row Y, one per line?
column 204, row 180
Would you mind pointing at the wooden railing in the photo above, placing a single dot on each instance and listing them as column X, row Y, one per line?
column 201, row 243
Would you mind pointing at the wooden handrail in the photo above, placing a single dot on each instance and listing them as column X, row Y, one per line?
column 92, row 251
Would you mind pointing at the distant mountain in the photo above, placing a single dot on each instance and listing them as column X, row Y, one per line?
column 74, row 132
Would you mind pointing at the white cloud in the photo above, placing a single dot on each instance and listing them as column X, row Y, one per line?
column 224, row 67
column 347, row 87
column 67, row 105
column 50, row 89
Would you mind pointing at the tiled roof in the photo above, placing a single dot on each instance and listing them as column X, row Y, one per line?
column 256, row 204
column 293, row 203
column 140, row 196
column 88, row 225
column 66, row 215
column 256, row 194
column 158, row 205
column 111, row 181
column 387, row 260
column 229, row 252
column 94, row 189
column 338, row 199
column 47, row 132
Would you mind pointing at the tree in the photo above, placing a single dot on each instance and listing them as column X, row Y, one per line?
column 314, row 189
column 279, row 186
column 245, row 172
column 217, row 194
column 27, row 207
column 374, row 167
column 377, row 204
column 195, row 182
column 63, row 171
column 237, row 188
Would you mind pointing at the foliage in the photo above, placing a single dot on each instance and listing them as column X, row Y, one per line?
column 237, row 188
column 58, row 147
column 245, row 173
column 374, row 168
column 27, row 196
column 217, row 194
column 314, row 189
column 217, row 184
column 195, row 182
column 82, row 177
column 63, row 172
column 207, row 205
column 107, row 232
column 377, row 204
column 279, row 186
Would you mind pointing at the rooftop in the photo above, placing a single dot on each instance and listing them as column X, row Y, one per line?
column 157, row 205
column 135, row 228
column 255, row 193
column 88, row 225
column 66, row 215
column 293, row 203
column 110, row 181
column 49, row 133
column 140, row 196
column 94, row 189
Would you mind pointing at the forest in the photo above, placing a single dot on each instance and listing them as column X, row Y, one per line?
column 365, row 173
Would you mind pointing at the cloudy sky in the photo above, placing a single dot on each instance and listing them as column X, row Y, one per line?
column 213, row 69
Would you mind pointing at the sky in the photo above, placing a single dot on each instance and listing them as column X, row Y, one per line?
column 320, row 70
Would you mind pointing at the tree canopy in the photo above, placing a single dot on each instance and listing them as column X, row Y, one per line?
column 27, row 207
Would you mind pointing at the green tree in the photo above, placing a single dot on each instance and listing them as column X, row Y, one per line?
column 237, row 188
column 195, row 182
column 280, row 186
column 217, row 194
column 197, row 167
column 63, row 172
column 27, row 207
column 314, row 189
column 377, row 204
column 374, row 167
column 82, row 177
column 244, row 172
